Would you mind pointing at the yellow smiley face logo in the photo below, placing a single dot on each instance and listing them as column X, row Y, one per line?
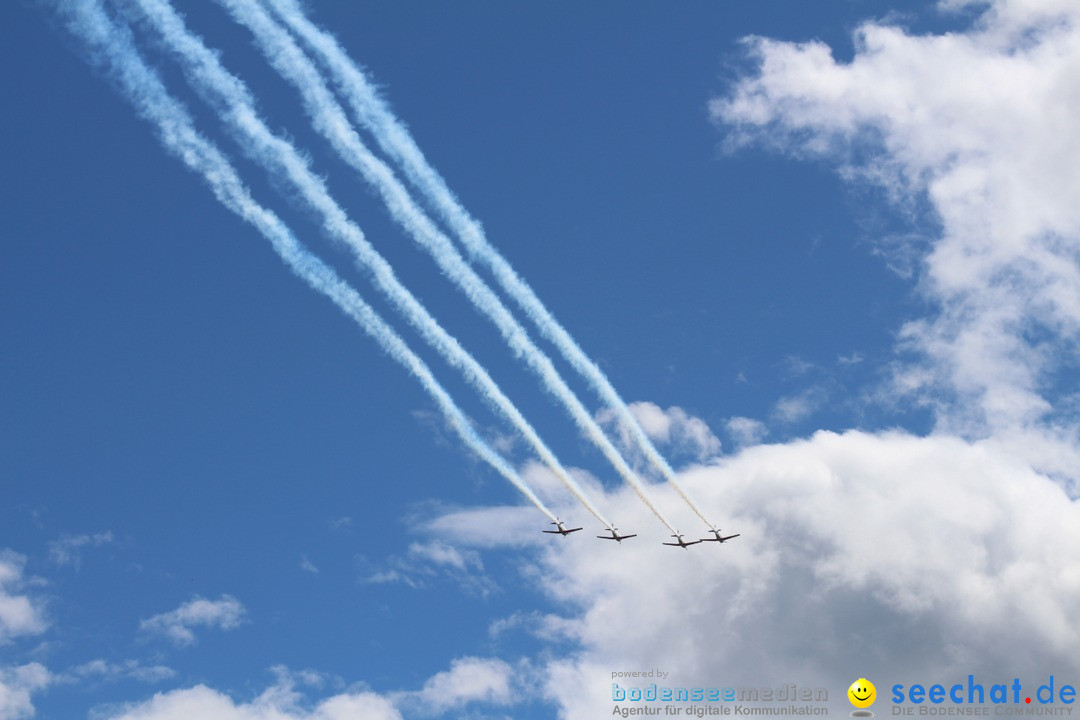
column 862, row 693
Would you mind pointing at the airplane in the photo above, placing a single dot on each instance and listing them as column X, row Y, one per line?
column 679, row 542
column 562, row 529
column 615, row 535
column 719, row 538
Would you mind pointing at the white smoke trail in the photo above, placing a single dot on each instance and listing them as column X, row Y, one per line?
column 394, row 139
column 330, row 120
column 232, row 99
column 112, row 48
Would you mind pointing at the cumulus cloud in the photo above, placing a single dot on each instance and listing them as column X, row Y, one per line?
column 673, row 427
column 993, row 161
column 275, row 704
column 67, row 550
column 880, row 555
column 468, row 681
column 17, row 684
column 19, row 614
column 225, row 613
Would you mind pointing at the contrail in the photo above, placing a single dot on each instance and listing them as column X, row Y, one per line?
column 328, row 117
column 231, row 98
column 112, row 47
column 394, row 139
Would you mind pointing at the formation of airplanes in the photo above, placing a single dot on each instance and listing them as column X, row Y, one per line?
column 613, row 534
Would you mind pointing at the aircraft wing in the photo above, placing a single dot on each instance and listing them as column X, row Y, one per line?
column 720, row 538
column 682, row 544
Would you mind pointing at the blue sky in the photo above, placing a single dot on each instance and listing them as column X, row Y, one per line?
column 840, row 292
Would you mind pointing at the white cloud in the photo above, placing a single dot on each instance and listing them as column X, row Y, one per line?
column 746, row 431
column 341, row 524
column 225, row 613
column 424, row 563
column 67, row 549
column 437, row 553
column 494, row 526
column 673, row 427
column 795, row 366
column 852, row 359
column 307, row 566
column 981, row 125
column 19, row 614
column 884, row 555
column 798, row 407
column 275, row 704
column 17, row 684
column 545, row 626
column 129, row 669
column 470, row 680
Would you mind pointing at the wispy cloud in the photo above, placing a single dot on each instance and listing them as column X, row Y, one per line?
column 341, row 524
column 746, row 431
column 67, row 549
column 800, row 406
column 225, row 613
column 424, row 563
column 794, row 366
column 545, row 626
column 852, row 359
column 103, row 670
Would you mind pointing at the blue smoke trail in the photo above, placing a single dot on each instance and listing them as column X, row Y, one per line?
column 111, row 48
column 328, row 117
column 230, row 97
